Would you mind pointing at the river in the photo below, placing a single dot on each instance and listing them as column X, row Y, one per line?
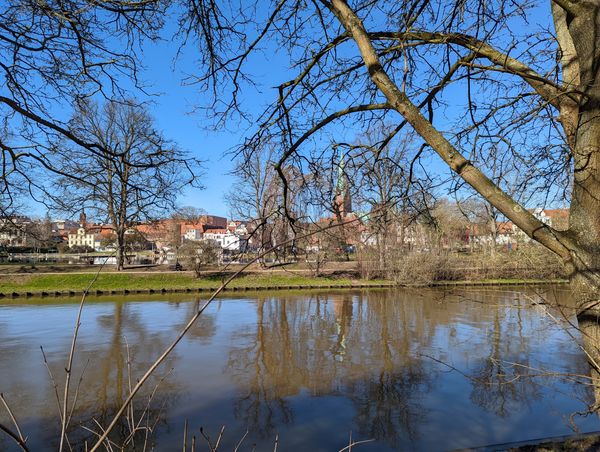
column 426, row 369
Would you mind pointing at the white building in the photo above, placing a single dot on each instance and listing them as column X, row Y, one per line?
column 13, row 231
column 82, row 238
column 225, row 239
column 193, row 234
column 237, row 227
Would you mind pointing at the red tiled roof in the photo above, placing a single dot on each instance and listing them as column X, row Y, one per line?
column 557, row 213
column 217, row 231
column 504, row 227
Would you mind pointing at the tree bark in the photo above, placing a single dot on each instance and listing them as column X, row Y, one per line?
column 121, row 249
column 580, row 45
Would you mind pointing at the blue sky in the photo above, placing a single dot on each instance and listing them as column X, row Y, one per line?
column 193, row 131
column 176, row 109
column 174, row 104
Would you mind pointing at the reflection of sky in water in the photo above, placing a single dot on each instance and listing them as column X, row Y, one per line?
column 310, row 368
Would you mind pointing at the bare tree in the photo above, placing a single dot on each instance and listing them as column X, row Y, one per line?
column 189, row 214
column 391, row 188
column 254, row 197
column 257, row 197
column 138, row 178
column 197, row 256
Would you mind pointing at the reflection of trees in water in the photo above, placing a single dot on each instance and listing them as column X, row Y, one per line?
column 370, row 348
column 132, row 346
column 204, row 328
column 107, row 330
column 263, row 406
column 499, row 385
column 337, row 344
column 510, row 376
column 388, row 399
column 389, row 405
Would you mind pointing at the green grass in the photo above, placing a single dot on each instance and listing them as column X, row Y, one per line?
column 121, row 281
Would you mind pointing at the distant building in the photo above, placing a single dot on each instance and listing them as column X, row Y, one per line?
column 342, row 201
column 82, row 238
column 238, row 227
column 509, row 234
column 169, row 233
column 13, row 231
column 61, row 225
column 193, row 234
column 214, row 221
column 163, row 233
column 225, row 239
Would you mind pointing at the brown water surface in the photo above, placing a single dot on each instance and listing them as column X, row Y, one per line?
column 411, row 369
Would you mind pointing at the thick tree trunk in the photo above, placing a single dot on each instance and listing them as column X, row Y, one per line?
column 120, row 250
column 581, row 58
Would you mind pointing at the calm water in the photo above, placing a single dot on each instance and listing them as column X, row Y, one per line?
column 413, row 370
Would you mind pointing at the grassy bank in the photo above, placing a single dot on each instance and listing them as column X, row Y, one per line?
column 37, row 283
column 119, row 282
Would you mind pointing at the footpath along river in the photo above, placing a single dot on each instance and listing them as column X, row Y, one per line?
column 426, row 369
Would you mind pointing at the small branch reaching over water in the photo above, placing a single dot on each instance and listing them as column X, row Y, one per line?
column 352, row 443
column 14, row 436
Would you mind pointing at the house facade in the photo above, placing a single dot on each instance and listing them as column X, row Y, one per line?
column 82, row 238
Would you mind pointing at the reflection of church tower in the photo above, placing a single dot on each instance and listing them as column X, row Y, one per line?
column 342, row 200
column 342, row 309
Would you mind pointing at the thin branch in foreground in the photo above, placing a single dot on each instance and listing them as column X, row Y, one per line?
column 53, row 380
column 68, row 369
column 19, row 438
column 355, row 443
column 239, row 444
column 15, row 437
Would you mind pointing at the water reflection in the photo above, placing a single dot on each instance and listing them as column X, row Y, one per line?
column 419, row 370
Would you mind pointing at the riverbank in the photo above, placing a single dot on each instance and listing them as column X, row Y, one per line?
column 114, row 283
column 31, row 285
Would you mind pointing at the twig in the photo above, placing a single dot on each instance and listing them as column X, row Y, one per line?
column 355, row 443
column 207, row 438
column 12, row 416
column 219, row 438
column 238, row 445
column 53, row 382
column 76, row 396
column 19, row 436
column 14, row 436
column 185, row 436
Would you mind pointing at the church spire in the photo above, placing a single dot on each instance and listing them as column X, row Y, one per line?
column 343, row 201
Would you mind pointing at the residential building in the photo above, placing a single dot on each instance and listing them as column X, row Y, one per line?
column 225, row 239
column 83, row 238
column 13, row 231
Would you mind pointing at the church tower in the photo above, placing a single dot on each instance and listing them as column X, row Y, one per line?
column 342, row 200
column 82, row 219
